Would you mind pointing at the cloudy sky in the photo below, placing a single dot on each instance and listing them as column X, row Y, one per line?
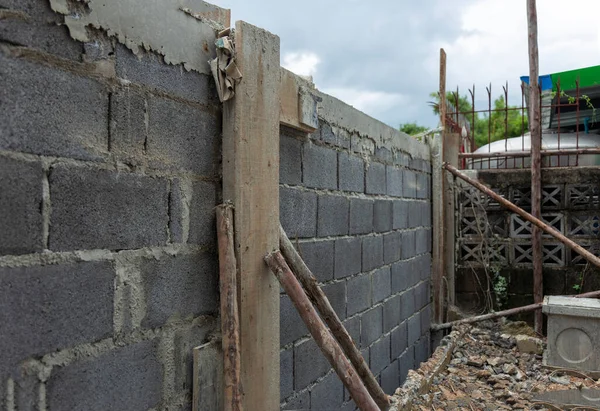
column 383, row 56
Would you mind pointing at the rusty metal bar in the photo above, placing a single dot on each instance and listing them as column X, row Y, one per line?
column 320, row 301
column 505, row 313
column 328, row 345
column 566, row 151
column 532, row 219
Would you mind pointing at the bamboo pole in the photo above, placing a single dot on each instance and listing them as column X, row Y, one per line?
column 328, row 345
column 319, row 299
column 536, row 160
column 232, row 392
column 505, row 313
column 533, row 220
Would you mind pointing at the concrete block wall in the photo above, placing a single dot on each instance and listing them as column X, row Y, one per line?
column 361, row 219
column 109, row 172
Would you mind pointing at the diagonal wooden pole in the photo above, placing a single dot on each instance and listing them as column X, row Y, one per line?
column 319, row 299
column 328, row 345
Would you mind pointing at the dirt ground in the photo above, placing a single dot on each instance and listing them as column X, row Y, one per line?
column 488, row 372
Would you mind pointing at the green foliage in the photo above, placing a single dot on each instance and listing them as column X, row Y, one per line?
column 500, row 289
column 499, row 125
column 412, row 128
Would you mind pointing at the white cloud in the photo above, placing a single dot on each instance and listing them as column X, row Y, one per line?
column 302, row 63
column 493, row 45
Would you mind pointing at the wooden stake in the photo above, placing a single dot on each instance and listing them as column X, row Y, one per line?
column 533, row 220
column 251, row 184
column 536, row 160
column 320, row 333
column 505, row 313
column 319, row 299
column 229, row 310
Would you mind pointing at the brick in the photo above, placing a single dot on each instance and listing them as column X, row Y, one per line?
column 383, row 154
column 422, row 351
column 391, row 313
column 93, row 209
column 351, row 173
column 150, row 70
column 38, row 314
column 361, row 216
column 400, row 276
column 371, row 326
column 426, row 216
column 414, row 328
column 202, row 220
column 414, row 276
column 300, row 401
column 415, row 214
column 426, row 319
column 20, row 206
column 421, row 294
column 422, row 185
column 52, row 112
column 393, row 181
column 348, row 257
column 399, row 340
column 182, row 137
column 359, row 293
column 179, row 286
column 349, row 406
column 381, row 284
column 390, row 378
column 336, row 294
column 318, row 256
column 380, row 355
column 409, row 184
column 128, row 125
column 382, row 215
column 309, row 364
column 400, row 217
column 375, row 179
column 372, row 252
column 337, row 138
column 298, row 212
column 327, row 394
column 332, row 215
column 184, row 342
column 392, row 247
column 422, row 241
column 290, row 160
column 407, row 362
column 352, row 325
column 319, row 167
column 402, row 159
column 291, row 325
column 407, row 304
column 41, row 30
column 286, row 372
column 408, row 244
column 132, row 375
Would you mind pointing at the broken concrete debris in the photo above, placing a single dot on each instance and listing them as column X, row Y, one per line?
column 489, row 369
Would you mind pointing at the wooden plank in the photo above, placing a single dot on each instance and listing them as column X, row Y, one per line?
column 251, row 184
column 293, row 110
column 437, row 199
column 450, row 150
column 536, row 161
column 208, row 377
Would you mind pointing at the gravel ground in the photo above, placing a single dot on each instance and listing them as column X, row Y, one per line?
column 488, row 372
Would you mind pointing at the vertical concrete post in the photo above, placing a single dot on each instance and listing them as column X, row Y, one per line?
column 251, row 183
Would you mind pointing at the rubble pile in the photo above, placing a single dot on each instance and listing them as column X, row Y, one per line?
column 491, row 368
